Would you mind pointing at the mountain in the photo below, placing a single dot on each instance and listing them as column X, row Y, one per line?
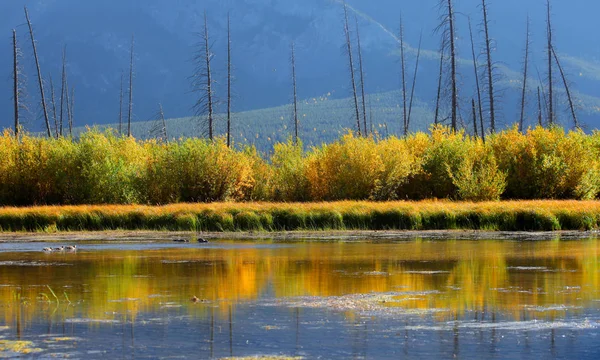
column 98, row 34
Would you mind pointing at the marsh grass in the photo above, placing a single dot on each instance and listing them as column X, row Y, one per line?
column 531, row 215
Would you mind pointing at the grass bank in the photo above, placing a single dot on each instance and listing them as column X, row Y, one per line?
column 347, row 215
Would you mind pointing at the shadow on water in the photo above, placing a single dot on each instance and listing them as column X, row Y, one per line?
column 338, row 300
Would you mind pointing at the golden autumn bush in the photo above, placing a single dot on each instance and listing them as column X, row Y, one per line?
column 103, row 168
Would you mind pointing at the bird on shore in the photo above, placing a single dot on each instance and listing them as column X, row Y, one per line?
column 181, row 240
column 71, row 248
column 202, row 240
column 62, row 248
column 47, row 249
column 195, row 299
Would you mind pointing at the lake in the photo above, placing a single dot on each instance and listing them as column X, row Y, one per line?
column 414, row 298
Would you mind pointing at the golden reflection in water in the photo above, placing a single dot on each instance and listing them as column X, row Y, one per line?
column 523, row 279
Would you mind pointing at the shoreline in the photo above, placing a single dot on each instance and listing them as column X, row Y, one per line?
column 296, row 236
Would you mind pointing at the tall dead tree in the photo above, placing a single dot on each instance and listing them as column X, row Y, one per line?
column 130, row 113
column 16, row 87
column 351, row 67
column 164, row 123
column 567, row 89
column 414, row 82
column 53, row 103
column 68, row 112
column 475, row 133
column 295, row 109
column 544, row 99
column 159, row 129
column 440, row 79
column 63, row 89
column 362, row 78
column 525, row 68
column 540, row 121
column 121, row 107
column 489, row 67
column 71, row 112
column 202, row 81
column 39, row 74
column 447, row 26
column 228, row 80
column 550, row 79
column 478, row 86
column 403, row 78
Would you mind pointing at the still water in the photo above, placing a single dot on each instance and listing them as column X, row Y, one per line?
column 406, row 299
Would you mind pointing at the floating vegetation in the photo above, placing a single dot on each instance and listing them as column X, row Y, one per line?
column 9, row 348
column 264, row 357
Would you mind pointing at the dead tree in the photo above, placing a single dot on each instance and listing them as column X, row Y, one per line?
column 16, row 87
column 489, row 67
column 362, row 78
column 474, row 118
column 71, row 112
column 159, row 130
column 164, row 123
column 63, row 88
column 68, row 105
column 403, row 78
column 525, row 68
column 449, row 39
column 121, row 107
column 414, row 82
column 53, row 103
column 478, row 87
column 567, row 90
column 540, row 123
column 39, row 73
column 351, row 67
column 228, row 80
column 543, row 90
column 295, row 109
column 130, row 113
column 550, row 79
column 202, row 81
column 440, row 78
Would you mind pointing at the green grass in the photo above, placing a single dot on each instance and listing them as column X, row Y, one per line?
column 348, row 215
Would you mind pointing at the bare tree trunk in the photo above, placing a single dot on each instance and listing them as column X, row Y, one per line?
column 63, row 88
column 474, row 118
column 53, row 103
column 351, row 65
column 70, row 106
column 121, row 107
column 453, row 66
column 164, row 123
column 569, row 97
column 550, row 80
column 477, row 81
column 524, row 92
column 540, row 123
column 16, row 90
column 39, row 73
column 414, row 82
column 403, row 75
column 130, row 113
column 362, row 78
column 228, row 80
column 544, row 95
column 489, row 66
column 439, row 89
column 209, row 91
column 296, row 122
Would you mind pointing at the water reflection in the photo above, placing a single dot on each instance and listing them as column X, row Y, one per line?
column 464, row 280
